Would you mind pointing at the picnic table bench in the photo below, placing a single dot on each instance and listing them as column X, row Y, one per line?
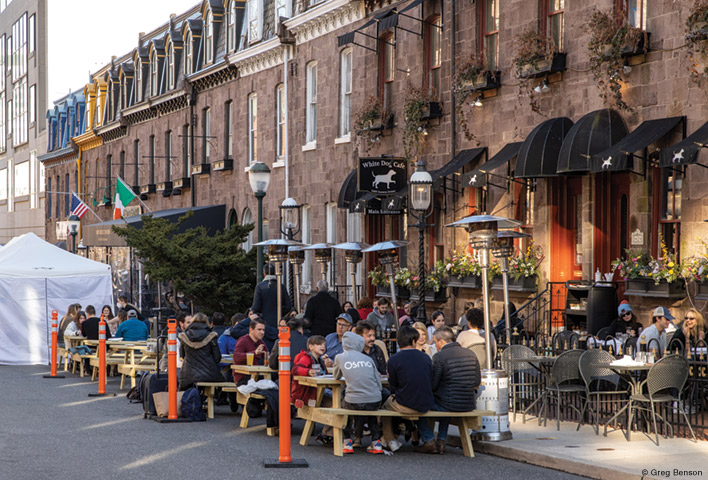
column 337, row 418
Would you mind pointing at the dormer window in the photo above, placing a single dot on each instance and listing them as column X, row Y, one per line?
column 282, row 9
column 170, row 66
column 231, row 28
column 138, row 80
column 123, row 91
column 208, row 38
column 255, row 20
column 153, row 73
column 188, row 53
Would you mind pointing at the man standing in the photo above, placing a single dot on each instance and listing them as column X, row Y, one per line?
column 473, row 339
column 381, row 316
column 655, row 335
column 89, row 328
column 333, row 341
column 322, row 310
column 455, row 379
column 250, row 344
column 265, row 297
column 373, row 351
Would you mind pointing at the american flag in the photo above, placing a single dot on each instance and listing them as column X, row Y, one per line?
column 78, row 207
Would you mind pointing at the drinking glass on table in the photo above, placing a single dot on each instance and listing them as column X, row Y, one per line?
column 316, row 368
column 249, row 359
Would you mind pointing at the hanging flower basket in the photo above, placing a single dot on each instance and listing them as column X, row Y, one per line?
column 521, row 284
column 473, row 281
column 646, row 287
column 385, row 291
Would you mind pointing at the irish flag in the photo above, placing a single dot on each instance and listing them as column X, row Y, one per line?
column 124, row 195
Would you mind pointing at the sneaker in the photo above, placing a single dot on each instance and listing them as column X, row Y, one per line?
column 356, row 443
column 375, row 447
column 324, row 440
column 347, row 446
column 394, row 445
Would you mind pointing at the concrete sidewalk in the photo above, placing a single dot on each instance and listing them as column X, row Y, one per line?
column 607, row 458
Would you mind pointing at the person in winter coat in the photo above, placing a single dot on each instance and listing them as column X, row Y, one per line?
column 265, row 298
column 363, row 390
column 244, row 327
column 132, row 330
column 455, row 378
column 298, row 343
column 200, row 352
column 381, row 317
column 310, row 364
column 322, row 310
column 250, row 344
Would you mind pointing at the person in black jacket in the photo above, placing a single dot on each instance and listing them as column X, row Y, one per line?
column 199, row 348
column 89, row 328
column 455, row 379
column 265, row 298
column 322, row 311
column 298, row 343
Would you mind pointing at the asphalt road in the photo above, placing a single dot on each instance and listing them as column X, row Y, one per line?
column 51, row 429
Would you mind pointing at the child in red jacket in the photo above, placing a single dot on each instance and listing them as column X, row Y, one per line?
column 307, row 364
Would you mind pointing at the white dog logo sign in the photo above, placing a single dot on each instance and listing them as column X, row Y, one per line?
column 387, row 179
column 607, row 162
column 678, row 156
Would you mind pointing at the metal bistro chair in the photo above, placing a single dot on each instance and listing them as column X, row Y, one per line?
column 597, row 379
column 565, row 340
column 565, row 370
column 668, row 375
column 603, row 333
column 523, row 377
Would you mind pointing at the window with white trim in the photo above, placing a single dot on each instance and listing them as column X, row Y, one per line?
column 345, row 92
column 255, row 20
column 154, row 71
column 3, row 184
column 231, row 27
column 170, row 66
column 355, row 234
column 138, row 81
column 33, row 179
column 306, row 285
column 252, row 128
column 229, row 129
column 206, row 129
column 247, row 218
column 208, row 38
column 19, row 120
column 311, row 94
column 282, row 9
column 19, row 54
column 280, row 121
column 10, row 186
column 32, row 104
column 31, row 34
column 2, row 63
column 331, row 231
column 3, row 136
column 22, row 179
column 188, row 53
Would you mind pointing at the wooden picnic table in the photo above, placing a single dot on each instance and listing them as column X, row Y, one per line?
column 254, row 371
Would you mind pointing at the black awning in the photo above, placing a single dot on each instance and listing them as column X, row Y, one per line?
column 686, row 151
column 480, row 176
column 411, row 6
column 616, row 158
column 347, row 38
column 348, row 193
column 593, row 133
column 456, row 164
column 212, row 217
column 538, row 156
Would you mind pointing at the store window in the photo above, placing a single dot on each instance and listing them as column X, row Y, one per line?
column 433, row 54
column 488, row 28
column 553, row 11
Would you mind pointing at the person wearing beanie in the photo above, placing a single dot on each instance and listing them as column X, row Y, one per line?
column 626, row 321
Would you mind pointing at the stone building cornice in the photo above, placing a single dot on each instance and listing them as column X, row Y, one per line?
column 324, row 19
column 260, row 57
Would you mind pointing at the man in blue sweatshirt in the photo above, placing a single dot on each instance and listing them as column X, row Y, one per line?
column 133, row 329
column 363, row 390
column 409, row 378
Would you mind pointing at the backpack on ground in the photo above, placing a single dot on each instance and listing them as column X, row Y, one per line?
column 134, row 394
column 192, row 405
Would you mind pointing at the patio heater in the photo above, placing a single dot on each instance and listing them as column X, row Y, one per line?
column 494, row 390
column 388, row 255
column 296, row 257
column 503, row 250
column 323, row 256
column 278, row 253
column 354, row 256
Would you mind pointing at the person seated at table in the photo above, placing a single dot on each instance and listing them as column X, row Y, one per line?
column 515, row 322
column 437, row 320
column 373, row 351
column 308, row 363
column 406, row 318
column 409, row 378
column 298, row 343
column 74, row 329
column 473, row 339
column 363, row 390
column 250, row 344
column 200, row 353
column 347, row 305
column 626, row 322
column 89, row 328
column 68, row 318
column 462, row 323
column 227, row 343
column 455, row 378
column 216, row 323
column 114, row 322
column 381, row 317
column 333, row 341
column 693, row 329
column 133, row 330
column 422, row 344
column 243, row 327
column 655, row 335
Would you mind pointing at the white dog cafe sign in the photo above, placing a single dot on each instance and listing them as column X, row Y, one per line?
column 381, row 175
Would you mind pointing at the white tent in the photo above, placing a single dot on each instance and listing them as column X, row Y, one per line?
column 36, row 278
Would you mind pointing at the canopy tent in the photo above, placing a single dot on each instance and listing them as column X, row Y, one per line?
column 36, row 278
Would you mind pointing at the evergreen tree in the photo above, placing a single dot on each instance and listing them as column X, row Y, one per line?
column 213, row 271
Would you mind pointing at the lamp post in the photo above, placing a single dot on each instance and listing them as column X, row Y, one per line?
column 278, row 253
column 388, row 254
column 354, row 256
column 259, row 178
column 74, row 222
column 296, row 256
column 421, row 187
column 503, row 250
column 289, row 212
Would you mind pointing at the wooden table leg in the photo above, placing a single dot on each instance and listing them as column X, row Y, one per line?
column 210, row 392
column 463, row 424
column 309, row 424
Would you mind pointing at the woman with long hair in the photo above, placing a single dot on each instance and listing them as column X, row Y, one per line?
column 422, row 343
column 68, row 318
column 691, row 330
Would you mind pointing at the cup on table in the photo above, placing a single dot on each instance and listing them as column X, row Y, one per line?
column 316, row 368
column 249, row 359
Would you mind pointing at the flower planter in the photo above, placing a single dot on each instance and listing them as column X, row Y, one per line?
column 644, row 287
column 430, row 296
column 385, row 291
column 701, row 290
column 522, row 284
column 384, row 124
column 484, row 81
column 640, row 48
column 544, row 67
column 465, row 282
column 431, row 110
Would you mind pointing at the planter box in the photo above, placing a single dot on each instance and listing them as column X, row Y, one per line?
column 385, row 291
column 701, row 291
column 431, row 110
column 523, row 284
column 465, row 282
column 147, row 189
column 201, row 169
column 641, row 287
column 382, row 125
column 181, row 182
column 430, row 296
column 641, row 48
column 223, row 165
column 484, row 81
column 557, row 64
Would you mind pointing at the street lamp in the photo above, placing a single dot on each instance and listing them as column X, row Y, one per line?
column 259, row 178
column 353, row 255
column 421, row 187
column 289, row 213
column 503, row 250
column 278, row 253
column 388, row 254
column 74, row 223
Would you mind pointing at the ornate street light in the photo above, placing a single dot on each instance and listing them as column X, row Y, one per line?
column 74, row 223
column 421, row 187
column 278, row 253
column 323, row 256
column 259, row 178
column 503, row 250
column 354, row 256
column 388, row 255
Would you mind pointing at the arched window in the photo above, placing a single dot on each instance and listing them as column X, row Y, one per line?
column 138, row 80
column 153, row 73
column 208, row 38
column 170, row 66
column 233, row 219
column 188, row 53
column 246, row 219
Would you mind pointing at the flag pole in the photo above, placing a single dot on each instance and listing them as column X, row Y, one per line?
column 89, row 208
column 136, row 195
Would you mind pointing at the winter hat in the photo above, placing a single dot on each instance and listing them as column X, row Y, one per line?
column 623, row 308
